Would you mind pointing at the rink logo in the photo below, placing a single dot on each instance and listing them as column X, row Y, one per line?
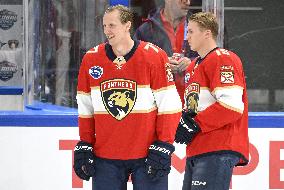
column 178, row 163
column 160, row 149
column 96, row 72
column 119, row 96
column 7, row 19
column 198, row 183
column 7, row 70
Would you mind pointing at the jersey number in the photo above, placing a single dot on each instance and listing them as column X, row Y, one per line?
column 222, row 51
column 149, row 45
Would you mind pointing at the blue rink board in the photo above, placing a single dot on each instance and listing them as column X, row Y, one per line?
column 48, row 115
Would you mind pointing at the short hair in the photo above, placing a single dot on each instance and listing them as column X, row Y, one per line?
column 125, row 13
column 207, row 21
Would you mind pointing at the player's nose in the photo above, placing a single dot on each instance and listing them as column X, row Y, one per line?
column 187, row 2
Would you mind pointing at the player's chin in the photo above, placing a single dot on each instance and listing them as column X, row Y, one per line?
column 192, row 47
column 184, row 11
column 111, row 41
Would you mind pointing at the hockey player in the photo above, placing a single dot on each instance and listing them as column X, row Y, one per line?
column 128, row 109
column 214, row 123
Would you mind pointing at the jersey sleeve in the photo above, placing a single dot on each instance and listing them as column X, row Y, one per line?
column 226, row 83
column 166, row 98
column 85, row 109
column 179, row 82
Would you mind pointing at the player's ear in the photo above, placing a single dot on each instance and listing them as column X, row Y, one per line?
column 128, row 25
column 208, row 33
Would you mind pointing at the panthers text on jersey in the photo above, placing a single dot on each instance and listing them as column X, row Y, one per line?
column 126, row 103
column 216, row 91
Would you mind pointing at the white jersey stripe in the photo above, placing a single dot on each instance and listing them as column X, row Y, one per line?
column 165, row 102
column 84, row 102
column 145, row 102
column 206, row 99
column 231, row 97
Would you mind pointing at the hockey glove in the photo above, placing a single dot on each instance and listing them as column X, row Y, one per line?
column 158, row 162
column 187, row 128
column 84, row 166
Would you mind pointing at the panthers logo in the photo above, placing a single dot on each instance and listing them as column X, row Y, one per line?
column 119, row 96
column 192, row 102
column 192, row 97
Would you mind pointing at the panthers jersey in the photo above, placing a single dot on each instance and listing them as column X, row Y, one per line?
column 216, row 91
column 126, row 103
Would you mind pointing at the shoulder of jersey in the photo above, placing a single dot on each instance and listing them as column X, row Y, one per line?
column 221, row 56
column 150, row 48
column 96, row 50
column 221, row 52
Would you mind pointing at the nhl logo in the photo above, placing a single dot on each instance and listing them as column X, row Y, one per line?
column 119, row 96
column 186, row 78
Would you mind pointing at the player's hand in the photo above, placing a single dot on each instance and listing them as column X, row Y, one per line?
column 187, row 128
column 179, row 65
column 173, row 65
column 183, row 63
column 84, row 158
column 158, row 162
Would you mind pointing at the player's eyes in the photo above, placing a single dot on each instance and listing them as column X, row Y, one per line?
column 109, row 26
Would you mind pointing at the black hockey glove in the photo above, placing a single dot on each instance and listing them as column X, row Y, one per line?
column 187, row 128
column 158, row 162
column 84, row 166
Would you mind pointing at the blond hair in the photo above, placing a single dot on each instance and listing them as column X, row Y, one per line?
column 125, row 13
column 206, row 21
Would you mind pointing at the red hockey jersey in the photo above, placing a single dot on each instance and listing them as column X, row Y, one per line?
column 126, row 103
column 216, row 91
